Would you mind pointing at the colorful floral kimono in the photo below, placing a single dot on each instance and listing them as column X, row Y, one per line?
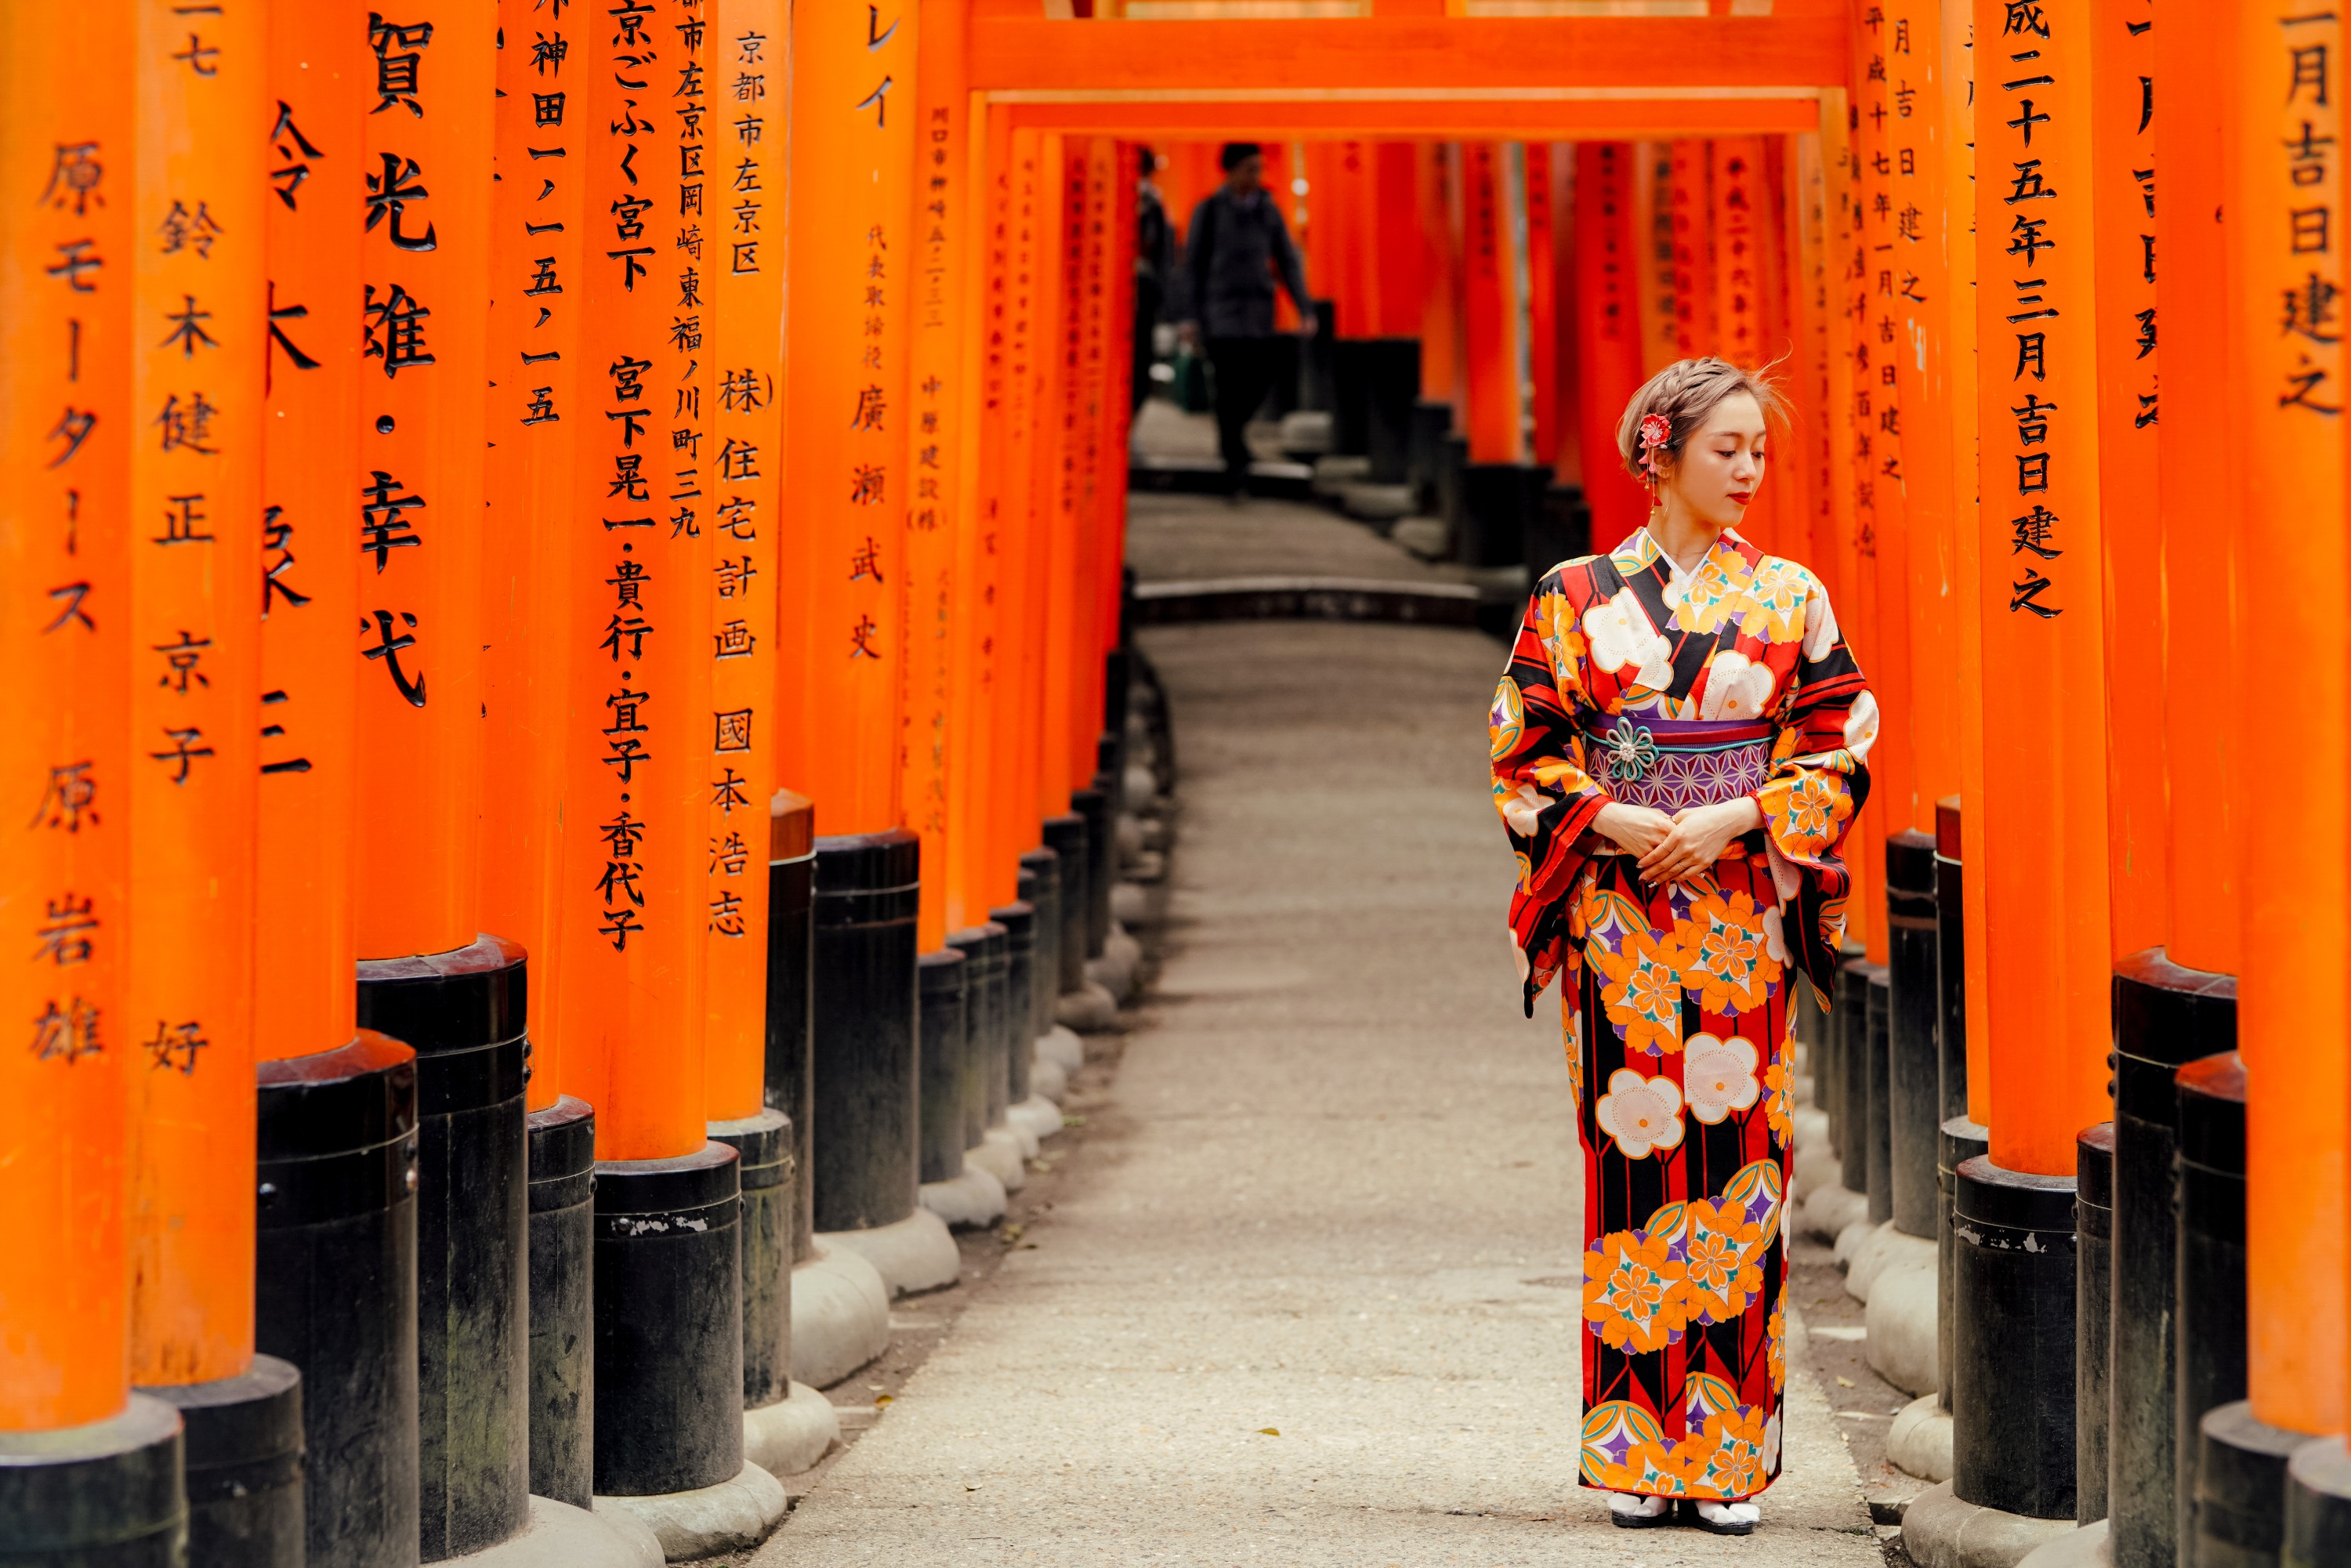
column 1632, row 680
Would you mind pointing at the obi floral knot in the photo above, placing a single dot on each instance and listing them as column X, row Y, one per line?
column 1632, row 750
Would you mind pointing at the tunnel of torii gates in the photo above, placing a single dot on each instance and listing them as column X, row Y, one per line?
column 708, row 759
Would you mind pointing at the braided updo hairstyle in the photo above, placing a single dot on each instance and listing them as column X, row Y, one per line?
column 1684, row 393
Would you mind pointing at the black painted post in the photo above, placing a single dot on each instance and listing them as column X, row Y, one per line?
column 866, row 1047
column 243, row 1443
column 791, row 996
column 763, row 1157
column 1431, row 422
column 563, row 1302
column 1040, row 889
column 669, row 1323
column 1851, row 1021
column 945, row 1028
column 2164, row 1016
column 1912, row 1052
column 1950, row 960
column 1392, row 369
column 1016, row 1011
column 106, row 1495
column 335, row 1287
column 2209, row 1319
column 1066, row 837
column 2013, row 1365
column 1879, row 1136
column 463, row 1011
column 1959, row 1141
column 2093, row 1241
column 1094, row 909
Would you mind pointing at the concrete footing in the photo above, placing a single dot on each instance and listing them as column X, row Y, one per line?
column 2089, row 1547
column 1038, row 1113
column 1920, row 1441
column 1938, row 1531
column 1090, row 1009
column 1129, row 904
column 911, row 1254
column 561, row 1536
column 973, row 1199
column 1901, row 1316
column 1829, row 1212
column 1000, row 1154
column 841, row 1316
column 1048, row 1081
column 735, row 1515
column 791, row 1435
column 1063, row 1048
column 1867, row 1254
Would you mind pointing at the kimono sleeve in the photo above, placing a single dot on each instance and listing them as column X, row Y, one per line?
column 1546, row 799
column 1827, row 721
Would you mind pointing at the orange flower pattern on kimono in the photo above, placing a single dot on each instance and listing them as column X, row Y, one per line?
column 1674, row 1001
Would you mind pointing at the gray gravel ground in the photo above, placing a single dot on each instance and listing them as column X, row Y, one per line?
column 1308, row 1290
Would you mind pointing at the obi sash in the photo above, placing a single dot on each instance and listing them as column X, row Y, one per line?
column 1668, row 764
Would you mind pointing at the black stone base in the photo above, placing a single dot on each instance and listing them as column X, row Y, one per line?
column 1849, row 1018
column 463, row 1011
column 1066, row 837
column 244, row 1467
column 988, row 1060
column 2208, row 1250
column 562, row 1301
column 1957, row 1142
column 1914, row 1066
column 2094, row 1244
column 762, row 1148
column 2013, row 1365
column 1016, row 1022
column 791, row 996
column 946, row 1081
column 105, row 1495
column 1878, row 1178
column 2241, row 1489
column 1094, row 803
column 2318, row 1506
column 335, row 1286
column 669, row 1323
column 1040, row 889
column 867, row 1049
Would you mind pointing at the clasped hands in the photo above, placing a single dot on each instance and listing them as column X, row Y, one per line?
column 1679, row 847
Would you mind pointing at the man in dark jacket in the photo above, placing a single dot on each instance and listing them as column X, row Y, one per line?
column 1236, row 244
column 1155, row 268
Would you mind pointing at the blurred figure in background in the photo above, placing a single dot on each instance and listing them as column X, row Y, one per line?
column 1154, row 267
column 1238, row 243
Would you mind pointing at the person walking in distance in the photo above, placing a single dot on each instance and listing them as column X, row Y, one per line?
column 1155, row 268
column 1235, row 246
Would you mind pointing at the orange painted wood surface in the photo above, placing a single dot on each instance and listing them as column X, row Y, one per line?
column 1034, row 54
column 2044, row 641
column 853, row 274
column 1491, row 305
column 1688, row 195
column 1443, row 348
column 197, row 184
column 2122, row 201
column 536, row 416
column 1052, row 560
column 67, row 425
column 2198, row 455
column 652, row 759
column 2284, row 174
column 1542, row 310
column 425, row 289
column 745, row 173
column 1606, row 276
column 1400, row 252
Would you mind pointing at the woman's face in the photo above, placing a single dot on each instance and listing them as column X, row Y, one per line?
column 1721, row 463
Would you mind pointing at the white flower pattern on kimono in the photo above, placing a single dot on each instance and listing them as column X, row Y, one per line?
column 1773, row 942
column 1523, row 810
column 1861, row 727
column 1642, row 1115
column 1718, row 1076
column 1736, row 688
column 1619, row 633
column 1819, row 627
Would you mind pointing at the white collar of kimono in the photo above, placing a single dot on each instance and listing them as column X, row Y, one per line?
column 1643, row 548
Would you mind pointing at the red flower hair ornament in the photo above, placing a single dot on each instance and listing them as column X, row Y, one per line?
column 1657, row 432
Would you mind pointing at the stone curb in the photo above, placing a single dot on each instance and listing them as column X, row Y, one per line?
column 791, row 1435
column 733, row 1516
column 1938, row 1531
column 911, row 1254
column 841, row 1316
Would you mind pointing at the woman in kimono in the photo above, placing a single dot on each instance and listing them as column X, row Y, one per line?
column 1678, row 748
